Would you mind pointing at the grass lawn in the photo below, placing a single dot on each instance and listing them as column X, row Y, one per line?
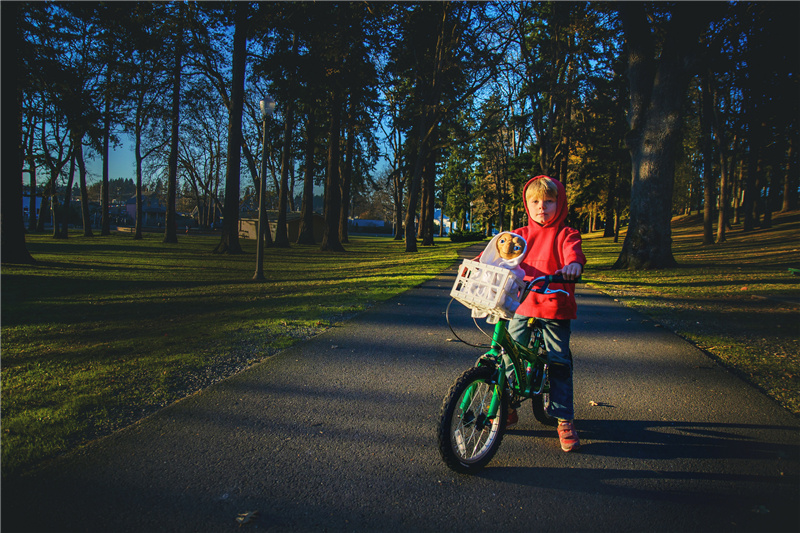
column 105, row 330
column 736, row 300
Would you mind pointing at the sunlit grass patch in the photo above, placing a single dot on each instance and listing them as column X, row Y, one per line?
column 103, row 331
column 737, row 300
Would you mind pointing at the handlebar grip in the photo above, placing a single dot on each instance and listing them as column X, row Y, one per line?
column 558, row 278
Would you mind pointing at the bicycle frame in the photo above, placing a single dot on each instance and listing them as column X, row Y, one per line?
column 523, row 385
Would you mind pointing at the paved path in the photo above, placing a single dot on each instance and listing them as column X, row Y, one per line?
column 338, row 434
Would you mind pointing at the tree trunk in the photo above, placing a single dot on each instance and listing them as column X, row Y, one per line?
column 441, row 212
column 86, row 217
column 423, row 205
column 281, row 230
column 430, row 201
column 611, row 199
column 55, row 209
column 657, row 93
column 719, row 134
column 790, row 181
column 32, row 199
column 306, row 234
column 347, row 177
column 751, row 181
column 137, row 235
column 398, row 189
column 292, row 207
column 12, row 226
column 617, row 219
column 333, row 199
column 68, row 197
column 230, row 225
column 105, row 222
column 32, row 172
column 44, row 209
column 706, row 114
column 171, row 222
column 416, row 183
column 773, row 200
column 566, row 127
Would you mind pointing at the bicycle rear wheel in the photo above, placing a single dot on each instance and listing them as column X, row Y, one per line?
column 468, row 438
column 539, row 404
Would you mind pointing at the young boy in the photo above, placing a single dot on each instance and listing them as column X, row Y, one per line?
column 553, row 248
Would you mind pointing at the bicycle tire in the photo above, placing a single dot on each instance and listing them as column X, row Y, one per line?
column 539, row 404
column 468, row 440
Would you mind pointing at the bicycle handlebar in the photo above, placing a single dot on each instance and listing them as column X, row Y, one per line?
column 552, row 278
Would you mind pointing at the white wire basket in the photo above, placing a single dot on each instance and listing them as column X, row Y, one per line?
column 487, row 289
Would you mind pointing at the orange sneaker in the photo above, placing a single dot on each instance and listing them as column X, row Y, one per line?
column 568, row 436
column 513, row 418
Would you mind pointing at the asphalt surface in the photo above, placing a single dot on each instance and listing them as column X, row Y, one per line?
column 338, row 433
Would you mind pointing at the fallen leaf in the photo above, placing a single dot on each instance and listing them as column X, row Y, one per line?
column 593, row 403
column 245, row 518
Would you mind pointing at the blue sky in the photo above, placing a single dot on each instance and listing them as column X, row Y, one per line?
column 121, row 164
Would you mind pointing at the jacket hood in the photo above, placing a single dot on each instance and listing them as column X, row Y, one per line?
column 491, row 256
column 561, row 204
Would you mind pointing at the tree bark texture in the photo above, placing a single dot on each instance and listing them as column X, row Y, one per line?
column 105, row 200
column 657, row 90
column 347, row 174
column 397, row 191
column 12, row 226
column 790, row 182
column 86, row 217
column 68, row 197
column 281, row 230
column 708, row 160
column 306, row 234
column 230, row 225
column 415, row 186
column 170, row 222
column 333, row 199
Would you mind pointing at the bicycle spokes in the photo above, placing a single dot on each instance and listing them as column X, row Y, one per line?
column 475, row 423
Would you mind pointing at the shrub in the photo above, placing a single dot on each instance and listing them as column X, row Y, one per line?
column 466, row 236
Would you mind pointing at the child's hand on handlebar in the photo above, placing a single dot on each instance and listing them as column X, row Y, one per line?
column 571, row 271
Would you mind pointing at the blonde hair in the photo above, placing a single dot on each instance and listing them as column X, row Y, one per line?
column 541, row 189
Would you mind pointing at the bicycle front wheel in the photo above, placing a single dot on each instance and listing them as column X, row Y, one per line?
column 468, row 436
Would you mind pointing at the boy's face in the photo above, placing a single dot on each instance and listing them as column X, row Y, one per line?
column 542, row 209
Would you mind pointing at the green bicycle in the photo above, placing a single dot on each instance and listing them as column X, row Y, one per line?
column 475, row 409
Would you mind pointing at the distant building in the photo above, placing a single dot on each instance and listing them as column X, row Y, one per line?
column 153, row 212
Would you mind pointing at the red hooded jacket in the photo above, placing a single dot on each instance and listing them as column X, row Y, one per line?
column 550, row 248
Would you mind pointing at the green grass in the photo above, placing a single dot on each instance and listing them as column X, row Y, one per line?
column 105, row 330
column 736, row 300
